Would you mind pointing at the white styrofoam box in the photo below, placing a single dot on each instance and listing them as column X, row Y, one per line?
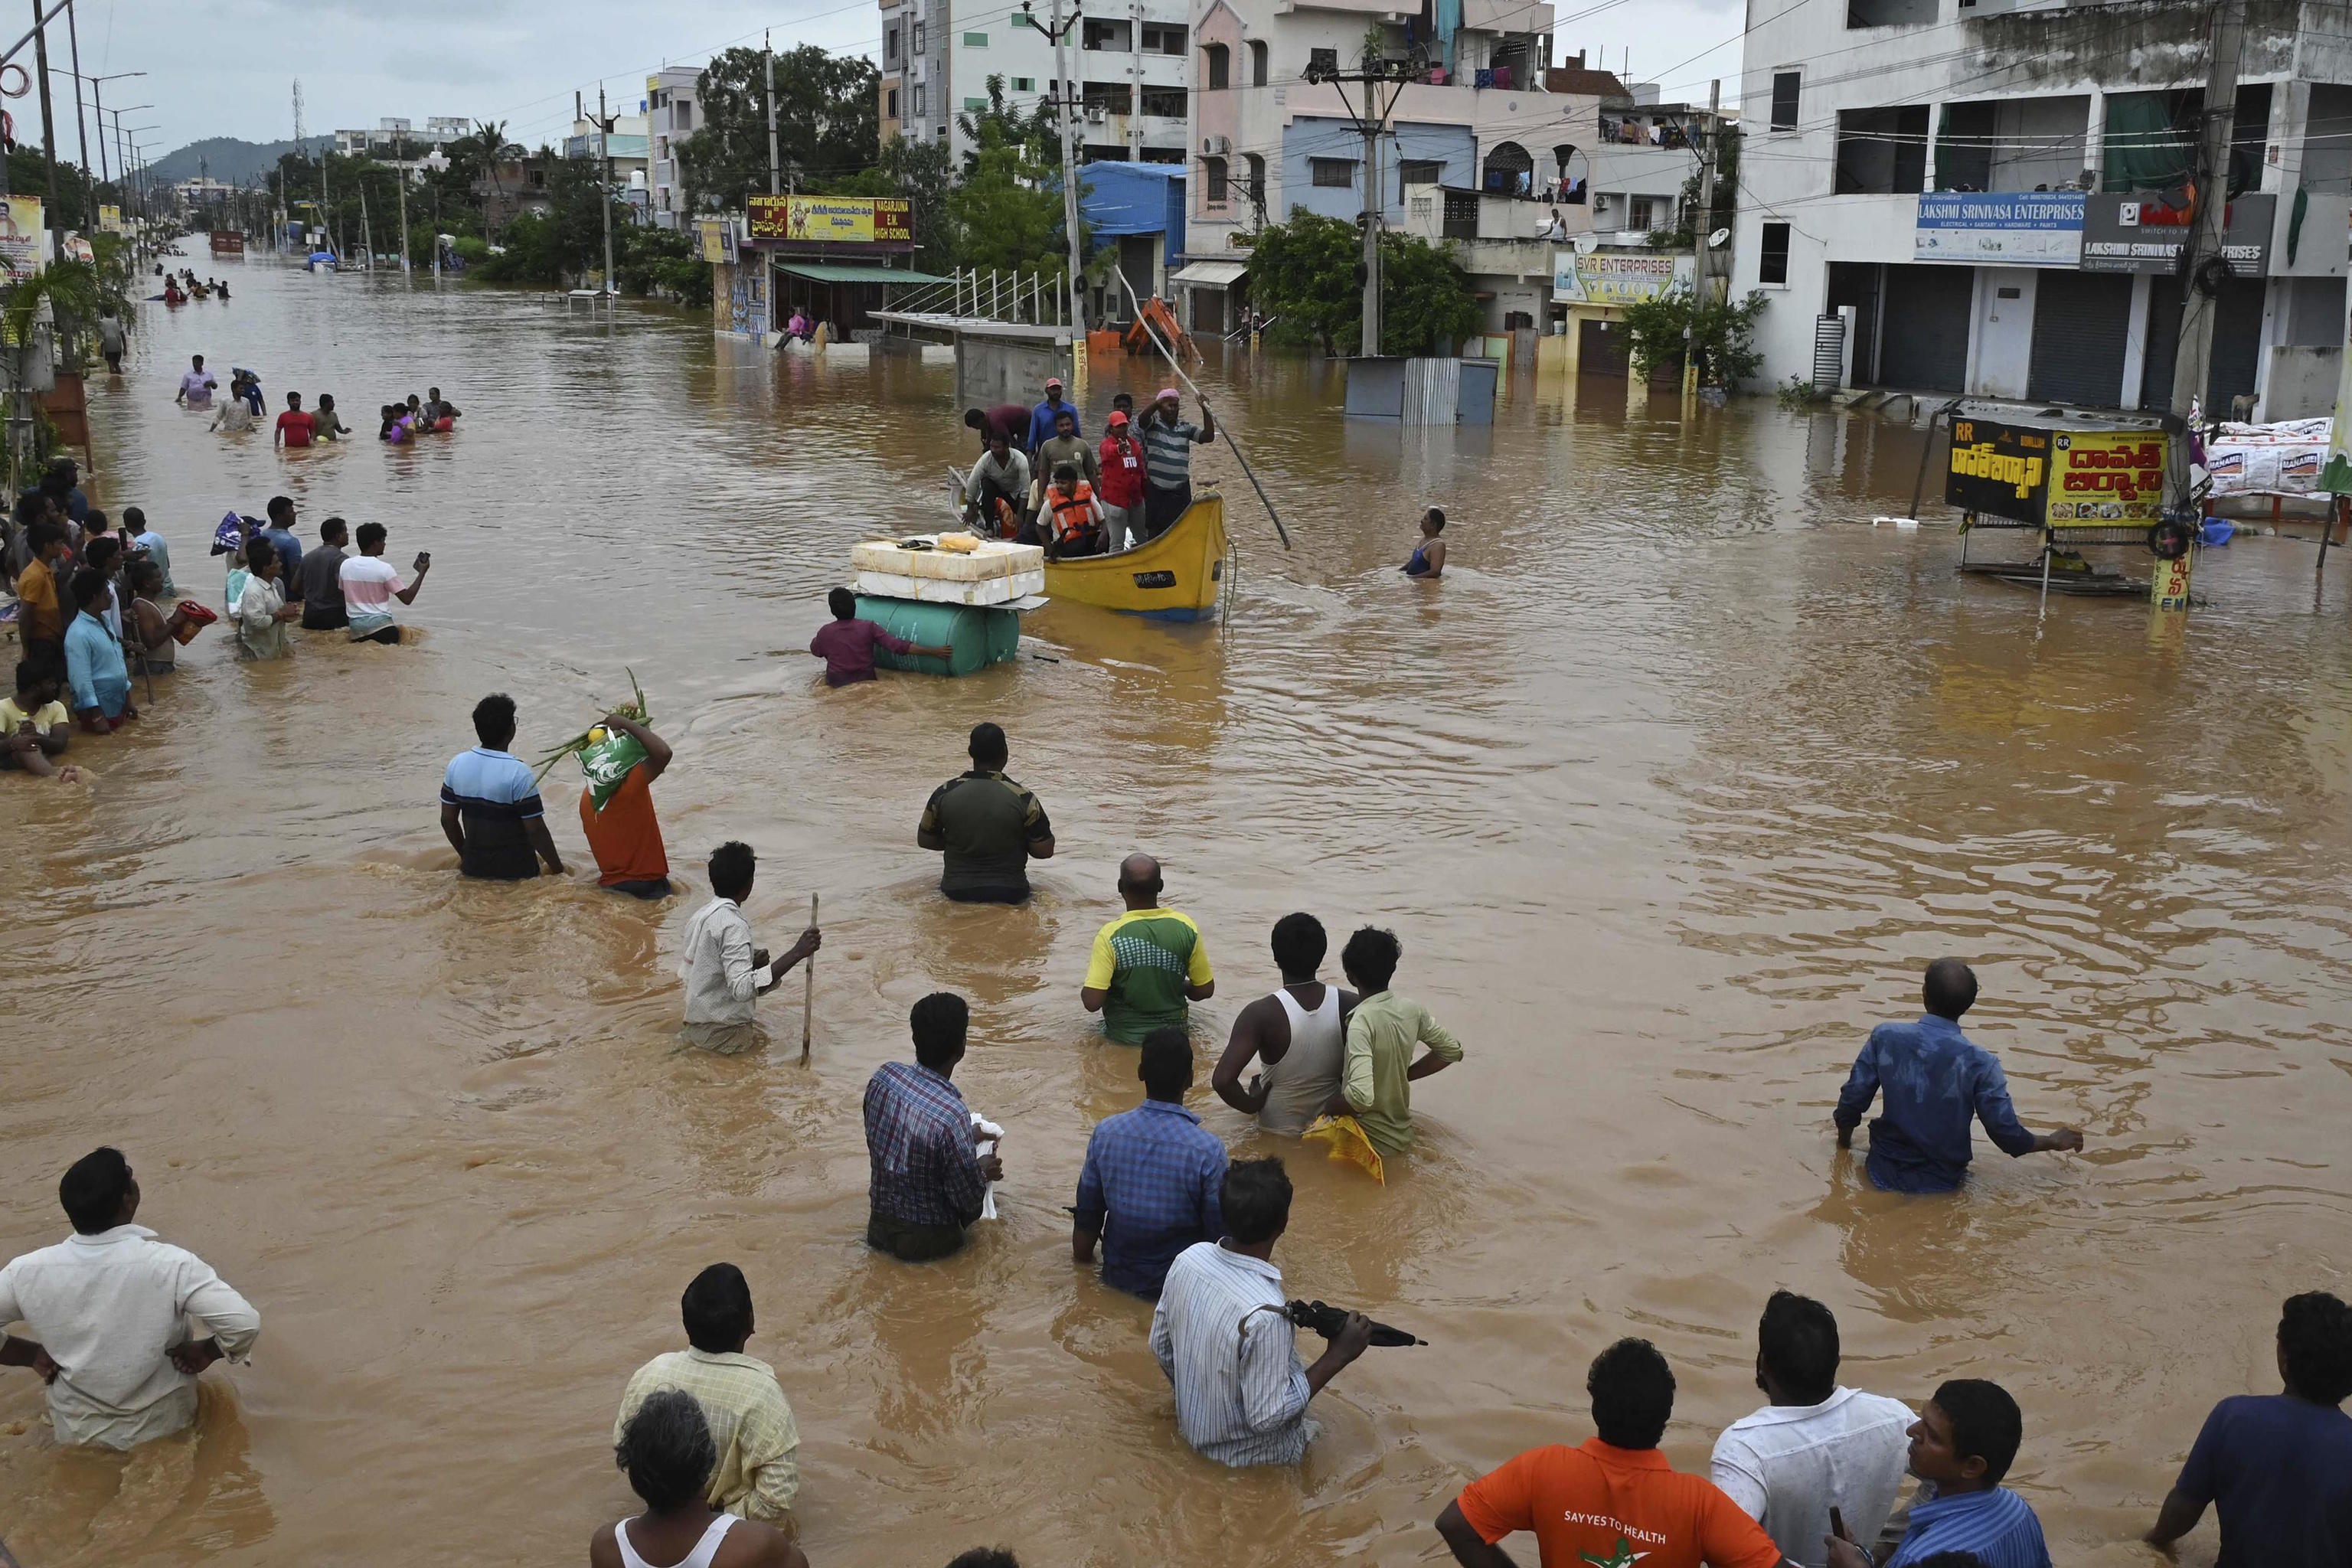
column 986, row 594
column 995, row 558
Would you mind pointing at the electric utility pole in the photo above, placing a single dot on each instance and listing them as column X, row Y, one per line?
column 1065, row 100
column 1371, row 123
column 776, row 168
column 81, row 130
column 400, row 167
column 1702, row 225
column 604, row 157
column 48, row 120
column 2203, row 270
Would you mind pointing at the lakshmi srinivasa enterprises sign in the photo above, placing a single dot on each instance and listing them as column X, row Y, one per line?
column 2058, row 478
column 2009, row 229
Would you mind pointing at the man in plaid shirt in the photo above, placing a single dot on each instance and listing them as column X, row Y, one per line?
column 927, row 1182
column 1149, row 1188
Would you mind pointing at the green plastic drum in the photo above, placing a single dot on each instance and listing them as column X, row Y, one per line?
column 979, row 637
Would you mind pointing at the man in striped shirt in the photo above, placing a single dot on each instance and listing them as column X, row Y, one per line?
column 928, row 1181
column 1222, row 1334
column 1167, row 443
column 1961, row 1446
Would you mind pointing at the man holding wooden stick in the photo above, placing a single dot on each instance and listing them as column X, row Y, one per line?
column 724, row 973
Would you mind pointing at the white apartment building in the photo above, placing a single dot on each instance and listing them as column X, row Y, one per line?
column 1133, row 63
column 630, row 147
column 1266, row 141
column 1988, row 197
column 438, row 130
column 673, row 114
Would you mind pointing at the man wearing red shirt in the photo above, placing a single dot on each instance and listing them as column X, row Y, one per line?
column 1613, row 1501
column 1012, row 419
column 295, row 427
column 1121, row 492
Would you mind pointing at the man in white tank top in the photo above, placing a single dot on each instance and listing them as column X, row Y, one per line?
column 666, row 1449
column 1299, row 1034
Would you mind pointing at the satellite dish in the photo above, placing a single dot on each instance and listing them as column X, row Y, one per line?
column 1586, row 244
column 1719, row 240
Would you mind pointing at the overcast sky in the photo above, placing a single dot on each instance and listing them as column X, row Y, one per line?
column 227, row 67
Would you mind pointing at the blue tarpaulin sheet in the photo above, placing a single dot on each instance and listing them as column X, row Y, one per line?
column 1117, row 199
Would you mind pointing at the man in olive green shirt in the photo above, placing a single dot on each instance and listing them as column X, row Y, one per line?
column 1381, row 1034
column 989, row 826
column 1149, row 966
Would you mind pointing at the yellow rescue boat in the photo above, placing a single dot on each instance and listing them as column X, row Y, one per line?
column 1175, row 576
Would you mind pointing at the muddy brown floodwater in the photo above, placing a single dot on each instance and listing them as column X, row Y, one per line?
column 1670, row 788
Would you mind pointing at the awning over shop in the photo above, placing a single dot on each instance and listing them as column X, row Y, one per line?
column 1211, row 274
column 843, row 272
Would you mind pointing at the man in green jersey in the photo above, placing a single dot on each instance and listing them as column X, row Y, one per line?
column 1149, row 964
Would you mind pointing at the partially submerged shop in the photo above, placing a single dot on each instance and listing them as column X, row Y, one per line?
column 1590, row 287
column 2074, row 299
column 837, row 259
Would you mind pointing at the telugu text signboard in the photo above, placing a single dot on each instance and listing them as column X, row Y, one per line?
column 830, row 219
column 1616, row 277
column 2059, row 479
column 2002, row 469
column 2008, row 228
column 2147, row 233
column 2106, row 479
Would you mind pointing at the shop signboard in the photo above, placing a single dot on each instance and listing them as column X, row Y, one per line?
column 2106, row 479
column 2056, row 478
column 2147, row 233
column 2004, row 229
column 22, row 250
column 830, row 219
column 2002, row 470
column 1616, row 277
column 110, row 220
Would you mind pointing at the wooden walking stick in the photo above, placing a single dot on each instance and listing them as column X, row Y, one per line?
column 808, row 988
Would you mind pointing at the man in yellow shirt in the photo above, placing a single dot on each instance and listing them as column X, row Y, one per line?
column 1149, row 966
column 758, row 1473
column 34, row 726
column 1381, row 1034
column 41, row 623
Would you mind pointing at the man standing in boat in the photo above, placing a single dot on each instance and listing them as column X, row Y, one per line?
column 1167, row 443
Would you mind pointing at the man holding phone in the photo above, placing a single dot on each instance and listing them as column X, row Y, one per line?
column 370, row 583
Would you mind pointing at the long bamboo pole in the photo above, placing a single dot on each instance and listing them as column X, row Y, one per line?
column 808, row 988
column 1169, row 354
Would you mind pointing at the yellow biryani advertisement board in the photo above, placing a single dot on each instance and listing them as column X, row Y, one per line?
column 2106, row 479
column 22, row 253
column 110, row 220
column 830, row 219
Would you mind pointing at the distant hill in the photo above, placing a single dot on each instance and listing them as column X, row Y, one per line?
column 226, row 159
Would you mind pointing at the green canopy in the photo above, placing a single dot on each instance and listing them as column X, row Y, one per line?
column 849, row 272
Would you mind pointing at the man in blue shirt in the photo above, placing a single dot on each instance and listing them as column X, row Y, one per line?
column 2280, row 1465
column 280, row 535
column 1961, row 1446
column 1042, row 417
column 1936, row 1080
column 490, row 803
column 1149, row 1188
column 95, row 673
column 930, row 1182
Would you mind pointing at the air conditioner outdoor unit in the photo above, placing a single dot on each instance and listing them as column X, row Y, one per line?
column 1216, row 146
column 1097, row 114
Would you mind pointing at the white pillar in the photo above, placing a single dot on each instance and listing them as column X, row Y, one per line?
column 2290, row 121
column 2135, row 340
column 2095, row 139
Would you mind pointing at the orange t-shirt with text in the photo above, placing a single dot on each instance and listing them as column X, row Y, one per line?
column 625, row 838
column 1602, row 1507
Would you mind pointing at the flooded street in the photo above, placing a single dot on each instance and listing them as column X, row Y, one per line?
column 1669, row 789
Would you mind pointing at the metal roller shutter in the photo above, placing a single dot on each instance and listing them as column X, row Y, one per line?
column 1924, row 329
column 2081, row 323
column 2237, row 344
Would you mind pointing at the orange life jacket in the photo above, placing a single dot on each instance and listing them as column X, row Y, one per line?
column 1073, row 514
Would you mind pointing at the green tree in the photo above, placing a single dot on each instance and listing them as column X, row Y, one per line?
column 1004, row 123
column 924, row 173
column 1685, row 234
column 1304, row 272
column 827, row 122
column 1008, row 211
column 1723, row 334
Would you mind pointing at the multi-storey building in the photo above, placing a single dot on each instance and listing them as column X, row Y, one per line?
column 438, row 131
column 673, row 114
column 1266, row 140
column 1131, row 62
column 1990, row 197
column 630, row 148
